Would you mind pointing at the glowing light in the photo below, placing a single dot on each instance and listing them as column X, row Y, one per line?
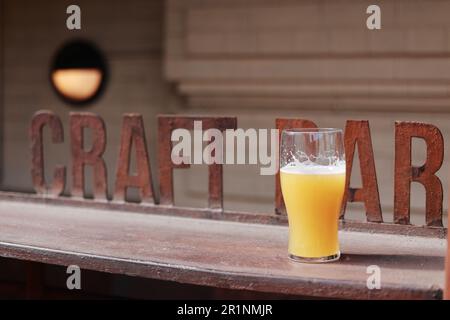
column 77, row 84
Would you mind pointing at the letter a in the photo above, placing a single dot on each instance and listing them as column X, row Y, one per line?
column 374, row 278
column 374, row 20
column 74, row 280
column 74, row 20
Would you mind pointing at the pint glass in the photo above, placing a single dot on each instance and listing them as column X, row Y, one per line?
column 312, row 173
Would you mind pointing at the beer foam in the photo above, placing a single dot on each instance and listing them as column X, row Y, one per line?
column 311, row 168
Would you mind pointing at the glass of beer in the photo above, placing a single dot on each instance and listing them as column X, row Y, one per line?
column 312, row 173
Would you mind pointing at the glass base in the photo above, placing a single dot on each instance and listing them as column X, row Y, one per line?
column 333, row 257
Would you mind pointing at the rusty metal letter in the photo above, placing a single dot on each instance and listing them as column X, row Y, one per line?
column 133, row 133
column 358, row 132
column 39, row 121
column 93, row 157
column 282, row 124
column 166, row 124
column 405, row 173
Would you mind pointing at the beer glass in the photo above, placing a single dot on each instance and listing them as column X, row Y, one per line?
column 312, row 173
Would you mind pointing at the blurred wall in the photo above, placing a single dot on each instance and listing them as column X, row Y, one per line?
column 254, row 59
column 129, row 34
column 262, row 59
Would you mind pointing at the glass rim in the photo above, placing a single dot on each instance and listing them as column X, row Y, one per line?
column 311, row 130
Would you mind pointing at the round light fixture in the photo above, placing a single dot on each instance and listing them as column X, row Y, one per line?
column 78, row 73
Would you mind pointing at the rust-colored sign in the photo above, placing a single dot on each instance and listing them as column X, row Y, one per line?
column 405, row 173
column 166, row 124
column 133, row 133
column 93, row 157
column 357, row 135
column 51, row 120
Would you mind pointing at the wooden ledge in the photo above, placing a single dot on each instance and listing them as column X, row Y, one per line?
column 217, row 253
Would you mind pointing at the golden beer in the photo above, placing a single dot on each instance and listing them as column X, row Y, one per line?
column 312, row 176
column 313, row 197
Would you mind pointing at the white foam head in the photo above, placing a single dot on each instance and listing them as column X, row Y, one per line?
column 311, row 168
